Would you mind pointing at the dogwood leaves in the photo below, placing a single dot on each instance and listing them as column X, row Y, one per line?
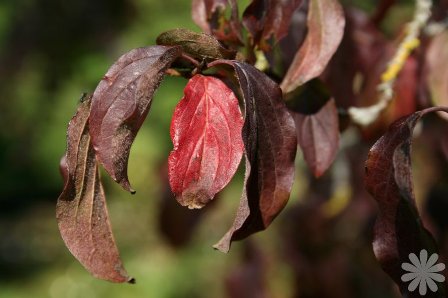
column 206, row 133
column 270, row 146
column 398, row 230
column 121, row 102
column 81, row 208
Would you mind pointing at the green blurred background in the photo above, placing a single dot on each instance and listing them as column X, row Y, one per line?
column 50, row 53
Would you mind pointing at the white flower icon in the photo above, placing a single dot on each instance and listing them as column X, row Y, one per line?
column 422, row 272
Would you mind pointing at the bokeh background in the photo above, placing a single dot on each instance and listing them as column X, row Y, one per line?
column 50, row 53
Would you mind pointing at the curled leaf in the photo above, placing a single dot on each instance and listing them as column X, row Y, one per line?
column 325, row 30
column 206, row 133
column 121, row 102
column 197, row 45
column 270, row 146
column 81, row 209
column 268, row 20
column 398, row 230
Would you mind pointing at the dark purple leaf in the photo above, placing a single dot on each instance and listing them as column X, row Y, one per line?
column 268, row 20
column 121, row 102
column 318, row 136
column 81, row 208
column 206, row 133
column 270, row 145
column 398, row 230
column 325, row 30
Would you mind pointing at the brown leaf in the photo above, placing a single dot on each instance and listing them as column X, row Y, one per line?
column 121, row 102
column 436, row 68
column 398, row 230
column 325, row 30
column 81, row 208
column 270, row 147
column 206, row 133
column 197, row 45
column 318, row 136
column 268, row 20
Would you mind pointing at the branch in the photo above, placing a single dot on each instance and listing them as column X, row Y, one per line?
column 367, row 115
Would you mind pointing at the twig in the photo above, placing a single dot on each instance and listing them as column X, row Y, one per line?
column 367, row 115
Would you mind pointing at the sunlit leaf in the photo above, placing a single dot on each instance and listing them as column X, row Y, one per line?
column 206, row 133
column 325, row 30
column 121, row 102
column 81, row 208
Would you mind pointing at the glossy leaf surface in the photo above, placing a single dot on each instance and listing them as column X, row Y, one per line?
column 206, row 133
column 121, row 102
column 81, row 208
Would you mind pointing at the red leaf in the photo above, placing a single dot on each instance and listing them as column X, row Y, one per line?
column 206, row 133
column 268, row 20
column 270, row 147
column 121, row 102
column 81, row 208
column 318, row 136
column 398, row 230
column 325, row 30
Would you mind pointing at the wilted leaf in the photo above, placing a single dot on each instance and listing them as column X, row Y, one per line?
column 206, row 133
column 268, row 20
column 398, row 230
column 197, row 45
column 121, row 102
column 81, row 208
column 270, row 146
column 210, row 16
column 318, row 136
column 325, row 30
column 437, row 70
